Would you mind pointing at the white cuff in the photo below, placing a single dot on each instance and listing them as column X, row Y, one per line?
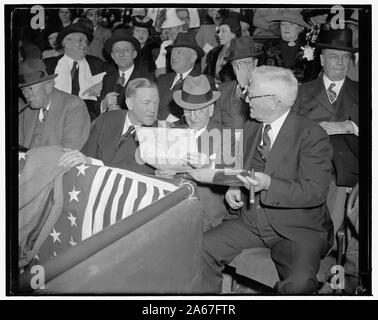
column 96, row 162
column 355, row 128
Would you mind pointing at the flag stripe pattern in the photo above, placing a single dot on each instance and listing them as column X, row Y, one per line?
column 95, row 197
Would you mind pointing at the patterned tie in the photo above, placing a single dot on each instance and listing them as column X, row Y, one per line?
column 180, row 79
column 75, row 79
column 125, row 136
column 264, row 149
column 121, row 80
column 332, row 96
column 44, row 111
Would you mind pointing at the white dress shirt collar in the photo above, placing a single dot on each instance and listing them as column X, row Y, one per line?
column 275, row 127
column 128, row 124
column 127, row 73
column 41, row 115
column 336, row 88
column 184, row 75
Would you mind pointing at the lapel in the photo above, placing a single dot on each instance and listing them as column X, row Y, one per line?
column 31, row 117
column 53, row 116
column 252, row 135
column 320, row 94
column 115, row 133
column 281, row 144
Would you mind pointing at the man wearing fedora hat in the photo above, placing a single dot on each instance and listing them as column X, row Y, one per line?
column 123, row 48
column 53, row 117
column 332, row 100
column 75, row 69
column 231, row 110
column 197, row 99
column 184, row 54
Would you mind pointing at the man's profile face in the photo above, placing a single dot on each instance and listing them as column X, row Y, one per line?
column 261, row 103
column 123, row 54
column 336, row 63
column 172, row 32
column 182, row 59
column 198, row 119
column 76, row 45
column 145, row 105
column 93, row 15
column 36, row 95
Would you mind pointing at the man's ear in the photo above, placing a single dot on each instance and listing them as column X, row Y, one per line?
column 49, row 85
column 255, row 62
column 129, row 103
column 135, row 54
column 322, row 59
column 211, row 110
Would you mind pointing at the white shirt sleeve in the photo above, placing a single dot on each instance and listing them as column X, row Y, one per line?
column 96, row 162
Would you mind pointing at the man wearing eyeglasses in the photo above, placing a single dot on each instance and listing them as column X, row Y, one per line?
column 232, row 110
column 291, row 156
column 78, row 73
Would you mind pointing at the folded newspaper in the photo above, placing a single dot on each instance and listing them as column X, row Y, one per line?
column 166, row 148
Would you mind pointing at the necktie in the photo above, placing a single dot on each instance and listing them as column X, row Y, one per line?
column 121, row 80
column 75, row 79
column 264, row 149
column 126, row 135
column 44, row 111
column 180, row 79
column 332, row 96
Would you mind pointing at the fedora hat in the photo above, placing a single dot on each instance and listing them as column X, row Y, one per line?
column 32, row 71
column 145, row 22
column 292, row 16
column 340, row 39
column 171, row 20
column 243, row 47
column 72, row 28
column 121, row 34
column 196, row 93
column 187, row 40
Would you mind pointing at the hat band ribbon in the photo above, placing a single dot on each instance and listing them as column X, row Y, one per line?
column 196, row 99
column 338, row 43
column 33, row 76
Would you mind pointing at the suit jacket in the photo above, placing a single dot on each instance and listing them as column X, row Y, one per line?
column 67, row 123
column 102, row 143
column 100, row 35
column 230, row 110
column 299, row 165
column 225, row 74
column 95, row 64
column 109, row 84
column 312, row 102
column 167, row 105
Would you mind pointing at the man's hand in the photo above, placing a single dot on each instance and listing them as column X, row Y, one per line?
column 72, row 158
column 110, row 100
column 198, row 160
column 233, row 198
column 95, row 90
column 261, row 181
column 343, row 127
column 243, row 74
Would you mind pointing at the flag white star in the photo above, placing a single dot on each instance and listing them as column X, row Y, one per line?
column 72, row 219
column 21, row 155
column 81, row 169
column 73, row 194
column 55, row 235
column 72, row 242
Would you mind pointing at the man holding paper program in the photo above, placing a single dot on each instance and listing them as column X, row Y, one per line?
column 291, row 156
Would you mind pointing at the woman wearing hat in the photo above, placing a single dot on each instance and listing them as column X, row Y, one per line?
column 216, row 65
column 288, row 51
column 149, row 43
column 50, row 35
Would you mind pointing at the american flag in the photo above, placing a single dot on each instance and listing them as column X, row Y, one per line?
column 96, row 197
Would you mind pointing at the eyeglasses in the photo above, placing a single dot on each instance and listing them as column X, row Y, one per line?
column 264, row 95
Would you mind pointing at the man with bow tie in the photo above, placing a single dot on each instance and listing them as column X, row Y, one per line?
column 123, row 48
column 112, row 139
column 291, row 156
